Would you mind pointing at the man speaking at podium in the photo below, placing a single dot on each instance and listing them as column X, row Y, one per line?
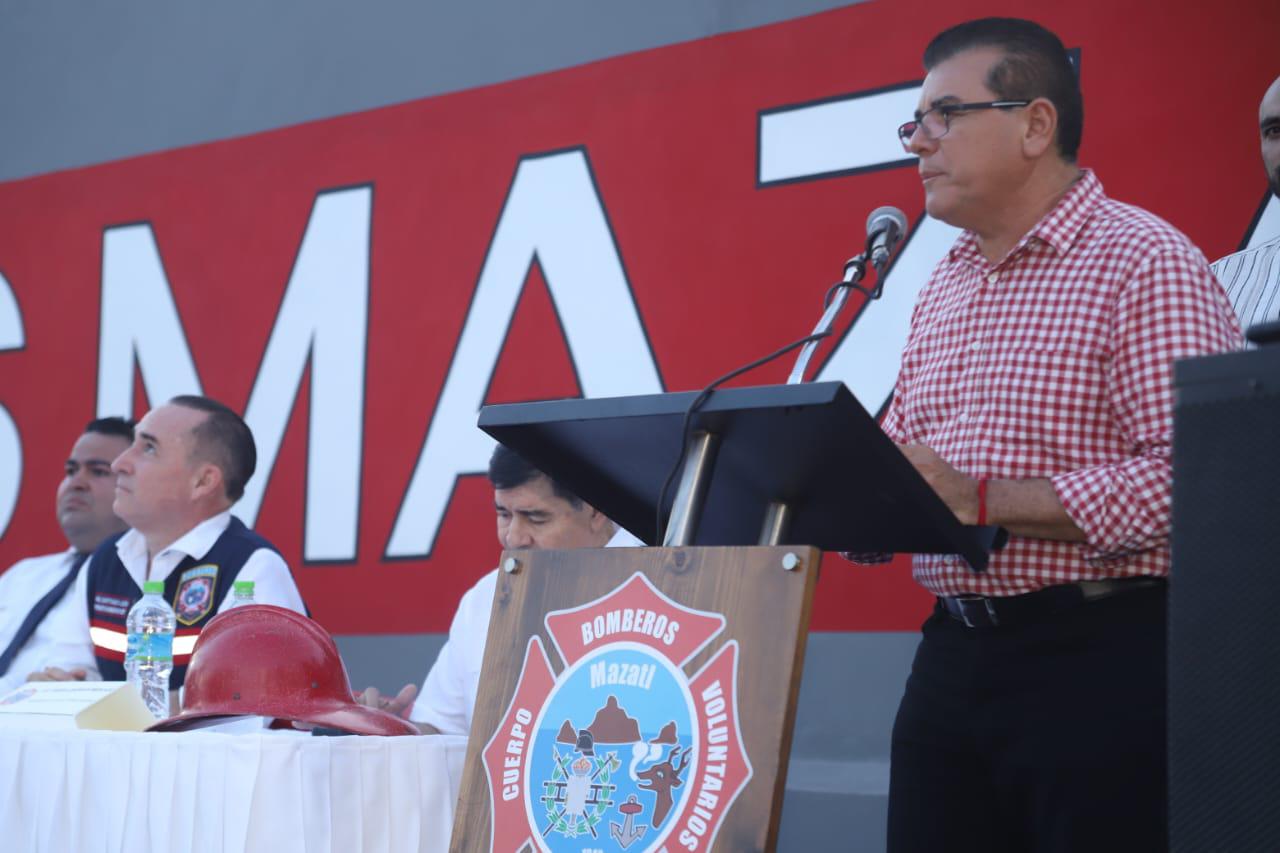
column 1035, row 394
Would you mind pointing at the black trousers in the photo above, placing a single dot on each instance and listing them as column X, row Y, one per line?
column 1048, row 736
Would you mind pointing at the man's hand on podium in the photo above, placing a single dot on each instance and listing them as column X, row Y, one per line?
column 958, row 491
column 1028, row 507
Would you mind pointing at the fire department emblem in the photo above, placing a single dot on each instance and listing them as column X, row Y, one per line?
column 623, row 751
column 195, row 593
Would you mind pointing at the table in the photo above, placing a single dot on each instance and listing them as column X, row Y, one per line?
column 205, row 792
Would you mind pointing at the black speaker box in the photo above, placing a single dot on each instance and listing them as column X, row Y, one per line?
column 1224, row 605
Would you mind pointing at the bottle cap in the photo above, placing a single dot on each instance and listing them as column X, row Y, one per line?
column 243, row 587
column 153, row 587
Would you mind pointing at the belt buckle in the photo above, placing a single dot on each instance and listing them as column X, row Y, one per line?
column 964, row 602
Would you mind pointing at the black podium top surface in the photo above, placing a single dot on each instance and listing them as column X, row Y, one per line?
column 811, row 446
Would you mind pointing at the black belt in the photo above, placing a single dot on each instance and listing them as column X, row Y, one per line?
column 981, row 611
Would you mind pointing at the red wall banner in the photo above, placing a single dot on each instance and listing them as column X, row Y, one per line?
column 359, row 286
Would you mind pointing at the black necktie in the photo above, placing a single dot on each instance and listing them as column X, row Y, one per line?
column 42, row 608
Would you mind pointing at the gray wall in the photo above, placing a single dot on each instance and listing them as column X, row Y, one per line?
column 88, row 82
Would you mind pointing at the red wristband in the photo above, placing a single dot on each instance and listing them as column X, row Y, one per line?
column 982, row 501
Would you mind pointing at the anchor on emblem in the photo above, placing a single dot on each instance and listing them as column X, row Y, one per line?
column 628, row 834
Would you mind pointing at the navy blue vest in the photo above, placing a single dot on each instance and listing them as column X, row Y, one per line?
column 194, row 589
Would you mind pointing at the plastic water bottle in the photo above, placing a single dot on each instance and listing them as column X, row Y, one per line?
column 242, row 594
column 149, row 659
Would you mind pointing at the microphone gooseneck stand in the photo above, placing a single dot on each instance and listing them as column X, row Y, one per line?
column 695, row 468
column 855, row 269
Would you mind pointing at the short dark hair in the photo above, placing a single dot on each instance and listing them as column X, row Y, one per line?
column 120, row 427
column 1035, row 65
column 509, row 470
column 225, row 439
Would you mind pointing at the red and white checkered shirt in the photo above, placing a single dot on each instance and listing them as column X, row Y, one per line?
column 1056, row 363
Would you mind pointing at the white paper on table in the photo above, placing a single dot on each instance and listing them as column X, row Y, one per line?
column 55, row 698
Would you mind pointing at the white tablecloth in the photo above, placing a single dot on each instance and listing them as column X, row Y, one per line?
column 103, row 792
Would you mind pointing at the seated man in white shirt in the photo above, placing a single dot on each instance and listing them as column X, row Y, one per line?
column 533, row 511
column 35, row 592
column 175, row 485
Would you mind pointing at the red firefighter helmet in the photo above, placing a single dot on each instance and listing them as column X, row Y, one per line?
column 271, row 662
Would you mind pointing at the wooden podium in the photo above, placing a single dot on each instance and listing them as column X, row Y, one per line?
column 642, row 699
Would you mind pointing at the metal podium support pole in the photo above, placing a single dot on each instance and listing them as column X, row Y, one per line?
column 777, row 522
column 691, row 496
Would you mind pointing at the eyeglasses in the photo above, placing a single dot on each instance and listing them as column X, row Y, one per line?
column 936, row 121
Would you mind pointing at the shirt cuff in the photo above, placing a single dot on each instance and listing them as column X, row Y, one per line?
column 1122, row 508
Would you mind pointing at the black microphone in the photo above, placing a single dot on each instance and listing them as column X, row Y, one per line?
column 885, row 228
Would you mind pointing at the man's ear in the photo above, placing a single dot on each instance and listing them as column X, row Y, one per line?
column 208, row 481
column 597, row 519
column 1041, row 132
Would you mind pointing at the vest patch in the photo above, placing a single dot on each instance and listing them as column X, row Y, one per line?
column 194, row 598
column 111, row 605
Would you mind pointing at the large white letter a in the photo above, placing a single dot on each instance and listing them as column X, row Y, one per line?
column 552, row 213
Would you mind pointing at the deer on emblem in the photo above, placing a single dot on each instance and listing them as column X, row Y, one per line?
column 661, row 778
